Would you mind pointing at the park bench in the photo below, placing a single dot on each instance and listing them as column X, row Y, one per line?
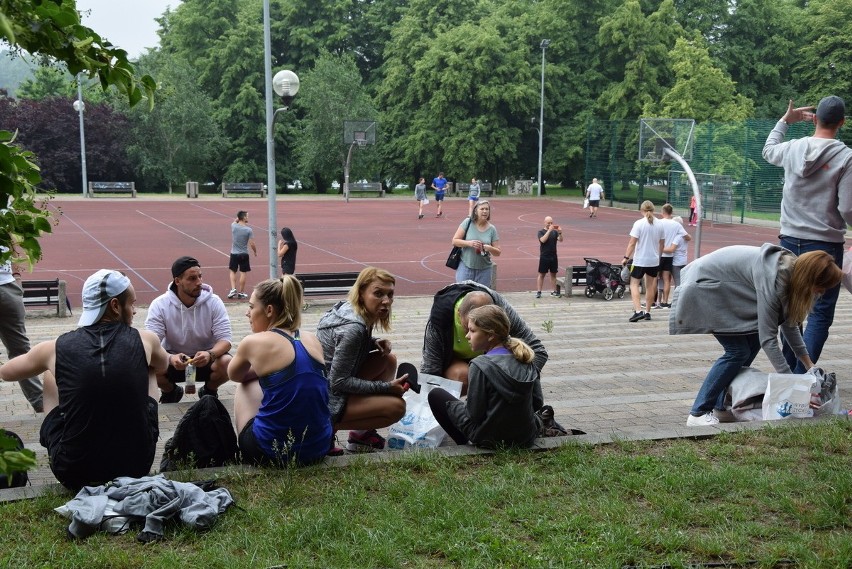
column 47, row 293
column 574, row 276
column 327, row 284
column 243, row 188
column 486, row 189
column 112, row 188
column 366, row 188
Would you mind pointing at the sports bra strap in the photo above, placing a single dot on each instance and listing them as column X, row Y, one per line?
column 281, row 332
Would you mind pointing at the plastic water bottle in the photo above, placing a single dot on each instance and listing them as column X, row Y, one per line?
column 189, row 386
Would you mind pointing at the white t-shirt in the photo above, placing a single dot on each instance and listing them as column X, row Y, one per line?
column 671, row 229
column 647, row 253
column 680, row 253
column 594, row 191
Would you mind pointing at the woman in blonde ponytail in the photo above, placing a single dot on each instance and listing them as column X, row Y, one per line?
column 644, row 249
column 499, row 406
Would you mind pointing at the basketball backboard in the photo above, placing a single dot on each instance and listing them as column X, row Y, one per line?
column 360, row 132
column 657, row 135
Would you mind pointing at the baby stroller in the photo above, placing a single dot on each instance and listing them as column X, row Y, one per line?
column 603, row 277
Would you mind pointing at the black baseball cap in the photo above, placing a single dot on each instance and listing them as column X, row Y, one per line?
column 831, row 110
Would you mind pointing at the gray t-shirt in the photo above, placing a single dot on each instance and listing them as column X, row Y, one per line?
column 240, row 234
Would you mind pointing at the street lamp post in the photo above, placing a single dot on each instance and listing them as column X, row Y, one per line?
column 80, row 106
column 544, row 44
column 286, row 85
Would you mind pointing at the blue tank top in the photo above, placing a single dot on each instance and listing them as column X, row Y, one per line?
column 294, row 423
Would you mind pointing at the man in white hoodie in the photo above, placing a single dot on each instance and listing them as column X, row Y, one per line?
column 193, row 326
column 816, row 203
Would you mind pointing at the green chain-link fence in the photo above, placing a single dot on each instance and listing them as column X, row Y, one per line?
column 736, row 181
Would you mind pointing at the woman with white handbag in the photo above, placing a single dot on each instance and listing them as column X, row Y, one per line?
column 742, row 295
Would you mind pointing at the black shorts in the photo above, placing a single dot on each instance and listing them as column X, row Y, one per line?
column 250, row 451
column 594, row 203
column 639, row 272
column 548, row 265
column 202, row 374
column 666, row 264
column 239, row 261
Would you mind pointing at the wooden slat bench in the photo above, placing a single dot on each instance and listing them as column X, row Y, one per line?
column 368, row 188
column 112, row 188
column 574, row 276
column 243, row 188
column 47, row 293
column 327, row 284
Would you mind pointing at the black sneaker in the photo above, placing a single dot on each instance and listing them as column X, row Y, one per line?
column 637, row 316
column 538, row 294
column 172, row 396
column 206, row 391
column 647, row 316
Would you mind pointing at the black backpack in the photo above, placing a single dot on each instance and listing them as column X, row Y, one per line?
column 18, row 478
column 204, row 438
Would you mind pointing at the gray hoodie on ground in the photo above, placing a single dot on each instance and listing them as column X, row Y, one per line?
column 817, row 199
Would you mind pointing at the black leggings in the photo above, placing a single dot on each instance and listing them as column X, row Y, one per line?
column 438, row 400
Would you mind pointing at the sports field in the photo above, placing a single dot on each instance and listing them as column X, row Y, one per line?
column 142, row 237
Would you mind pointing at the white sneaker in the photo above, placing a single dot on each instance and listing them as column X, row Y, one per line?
column 232, row 293
column 704, row 420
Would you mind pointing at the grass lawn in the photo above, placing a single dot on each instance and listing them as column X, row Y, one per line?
column 765, row 498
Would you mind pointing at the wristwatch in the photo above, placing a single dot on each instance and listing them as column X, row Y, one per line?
column 212, row 355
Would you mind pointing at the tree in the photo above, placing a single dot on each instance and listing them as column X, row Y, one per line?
column 178, row 140
column 332, row 93
column 50, row 28
column 824, row 65
column 47, row 82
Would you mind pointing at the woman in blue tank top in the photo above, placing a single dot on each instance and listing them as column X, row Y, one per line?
column 281, row 404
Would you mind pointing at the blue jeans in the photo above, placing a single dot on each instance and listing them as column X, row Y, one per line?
column 482, row 276
column 822, row 314
column 740, row 351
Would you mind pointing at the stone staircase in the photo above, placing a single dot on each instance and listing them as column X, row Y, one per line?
column 605, row 375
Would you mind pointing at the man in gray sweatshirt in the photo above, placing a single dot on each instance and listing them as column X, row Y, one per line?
column 816, row 203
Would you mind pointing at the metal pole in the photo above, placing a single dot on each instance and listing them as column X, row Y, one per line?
column 270, row 144
column 80, row 108
column 695, row 191
column 544, row 44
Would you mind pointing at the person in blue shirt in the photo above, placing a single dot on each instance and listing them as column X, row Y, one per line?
column 439, row 184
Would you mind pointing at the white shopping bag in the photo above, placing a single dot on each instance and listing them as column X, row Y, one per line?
column 789, row 395
column 847, row 270
column 425, row 201
column 418, row 428
column 585, row 203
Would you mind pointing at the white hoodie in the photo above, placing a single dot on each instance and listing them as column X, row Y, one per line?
column 188, row 329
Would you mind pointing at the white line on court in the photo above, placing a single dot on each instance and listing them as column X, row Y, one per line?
column 172, row 227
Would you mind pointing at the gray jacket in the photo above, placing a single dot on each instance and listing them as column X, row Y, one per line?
column 346, row 341
column 739, row 290
column 499, row 409
column 817, row 199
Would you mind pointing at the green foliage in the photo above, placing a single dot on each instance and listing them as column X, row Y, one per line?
column 51, row 29
column 12, row 459
column 48, row 82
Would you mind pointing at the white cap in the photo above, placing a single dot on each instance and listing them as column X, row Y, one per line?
column 97, row 292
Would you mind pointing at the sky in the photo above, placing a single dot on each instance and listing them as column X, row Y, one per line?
column 128, row 24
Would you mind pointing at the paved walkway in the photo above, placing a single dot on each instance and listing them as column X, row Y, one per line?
column 608, row 377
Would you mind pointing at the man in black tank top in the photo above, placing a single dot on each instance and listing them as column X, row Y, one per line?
column 99, row 388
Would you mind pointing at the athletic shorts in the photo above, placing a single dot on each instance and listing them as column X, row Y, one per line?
column 439, row 195
column 473, row 198
column 666, row 264
column 202, row 374
column 639, row 272
column 594, row 203
column 548, row 265
column 249, row 449
column 239, row 261
column 676, row 274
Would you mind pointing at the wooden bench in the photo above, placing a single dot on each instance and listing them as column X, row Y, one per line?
column 243, row 188
column 112, row 188
column 574, row 276
column 486, row 189
column 366, row 188
column 327, row 284
column 47, row 293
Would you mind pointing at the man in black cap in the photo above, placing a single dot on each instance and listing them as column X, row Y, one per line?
column 816, row 203
column 193, row 327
